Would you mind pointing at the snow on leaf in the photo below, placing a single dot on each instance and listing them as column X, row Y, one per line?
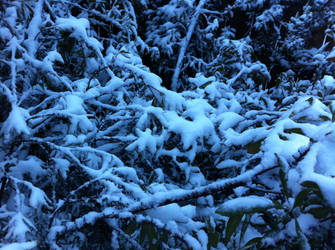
column 246, row 204
column 326, row 185
column 145, row 141
column 74, row 105
column 20, row 245
column 18, row 227
column 200, row 80
column 32, row 167
column 77, row 27
column 16, row 121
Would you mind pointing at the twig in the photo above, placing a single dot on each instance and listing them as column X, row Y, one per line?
column 184, row 44
column 2, row 189
column 328, row 218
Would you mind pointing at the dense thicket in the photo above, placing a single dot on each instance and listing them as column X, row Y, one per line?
column 167, row 124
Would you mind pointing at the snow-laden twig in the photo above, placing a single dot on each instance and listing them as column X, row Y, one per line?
column 173, row 196
column 184, row 44
column 159, row 199
column 34, row 28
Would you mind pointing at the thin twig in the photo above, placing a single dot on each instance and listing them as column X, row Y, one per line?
column 2, row 189
column 184, row 44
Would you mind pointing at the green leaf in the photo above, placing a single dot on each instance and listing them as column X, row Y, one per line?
column 253, row 241
column 303, row 242
column 302, row 118
column 301, row 197
column 311, row 184
column 142, row 234
column 210, row 229
column 164, row 237
column 148, row 232
column 282, row 174
column 282, row 137
column 213, row 239
column 325, row 118
column 283, row 180
column 319, row 212
column 254, row 147
column 132, row 226
column 205, row 84
column 233, row 222
column 245, row 225
column 151, row 233
column 310, row 100
column 294, row 130
column 314, row 199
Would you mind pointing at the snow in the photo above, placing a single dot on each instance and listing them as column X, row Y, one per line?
column 310, row 109
column 306, row 223
column 53, row 56
column 112, row 85
column 321, row 2
column 200, row 127
column 292, row 179
column 250, row 234
column 326, row 185
column 172, row 9
column 18, row 227
column 250, row 135
column 11, row 15
column 37, row 197
column 148, row 77
column 192, row 242
column 171, row 212
column 129, row 173
column 32, row 166
column 20, row 245
column 5, row 34
column 268, row 16
column 81, row 85
column 34, row 28
column 203, row 238
column 228, row 164
column 273, row 144
column 77, row 27
column 239, row 191
column 74, row 104
column 245, row 204
column 71, row 139
column 325, row 159
column 16, row 121
column 328, row 82
column 62, row 165
column 145, row 141
column 228, row 120
column 173, row 100
column 115, row 120
column 196, row 178
column 234, row 106
column 94, row 44
column 199, row 80
column 331, row 55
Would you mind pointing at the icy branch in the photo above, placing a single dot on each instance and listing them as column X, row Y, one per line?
column 184, row 44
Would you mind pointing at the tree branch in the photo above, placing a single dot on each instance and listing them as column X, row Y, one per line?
column 184, row 44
